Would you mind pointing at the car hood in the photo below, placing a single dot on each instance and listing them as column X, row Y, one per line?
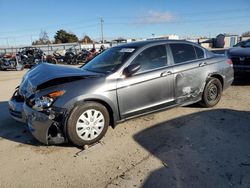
column 239, row 51
column 45, row 73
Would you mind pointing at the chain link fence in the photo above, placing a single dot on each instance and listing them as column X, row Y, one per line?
column 49, row 49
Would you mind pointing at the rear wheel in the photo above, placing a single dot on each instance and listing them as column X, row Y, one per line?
column 3, row 69
column 87, row 123
column 212, row 93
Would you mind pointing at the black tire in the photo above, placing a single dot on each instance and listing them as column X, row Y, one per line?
column 53, row 61
column 74, row 118
column 212, row 93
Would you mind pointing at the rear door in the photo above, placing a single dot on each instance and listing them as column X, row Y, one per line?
column 151, row 87
column 189, row 71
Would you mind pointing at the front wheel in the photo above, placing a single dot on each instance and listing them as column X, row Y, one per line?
column 212, row 93
column 87, row 123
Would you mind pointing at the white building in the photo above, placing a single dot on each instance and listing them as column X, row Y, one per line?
column 176, row 37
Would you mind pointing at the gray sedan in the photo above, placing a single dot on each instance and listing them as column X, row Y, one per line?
column 62, row 104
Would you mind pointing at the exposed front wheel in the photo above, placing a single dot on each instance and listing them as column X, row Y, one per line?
column 87, row 123
column 212, row 93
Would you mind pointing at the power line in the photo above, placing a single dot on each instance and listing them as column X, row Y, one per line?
column 72, row 28
column 216, row 19
column 126, row 17
column 52, row 26
column 83, row 27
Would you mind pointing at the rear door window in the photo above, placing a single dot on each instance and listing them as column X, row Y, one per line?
column 182, row 52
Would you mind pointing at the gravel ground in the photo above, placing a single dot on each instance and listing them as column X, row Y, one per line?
column 182, row 147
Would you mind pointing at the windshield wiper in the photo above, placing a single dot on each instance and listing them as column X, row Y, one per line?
column 94, row 71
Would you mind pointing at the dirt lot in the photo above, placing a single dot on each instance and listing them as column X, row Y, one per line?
column 183, row 147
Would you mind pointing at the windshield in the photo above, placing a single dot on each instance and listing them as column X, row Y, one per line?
column 239, row 44
column 110, row 60
column 243, row 44
column 246, row 44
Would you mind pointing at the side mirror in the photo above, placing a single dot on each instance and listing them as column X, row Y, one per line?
column 131, row 69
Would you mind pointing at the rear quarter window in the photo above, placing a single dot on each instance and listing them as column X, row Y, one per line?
column 199, row 52
column 182, row 52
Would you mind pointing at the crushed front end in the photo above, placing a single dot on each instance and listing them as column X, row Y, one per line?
column 16, row 106
column 35, row 100
column 44, row 122
column 46, row 125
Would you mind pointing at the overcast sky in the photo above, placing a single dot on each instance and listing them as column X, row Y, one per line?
column 22, row 20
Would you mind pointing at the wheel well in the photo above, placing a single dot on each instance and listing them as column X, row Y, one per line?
column 219, row 77
column 110, row 111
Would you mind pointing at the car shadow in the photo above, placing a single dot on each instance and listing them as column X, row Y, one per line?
column 205, row 149
column 13, row 130
column 242, row 79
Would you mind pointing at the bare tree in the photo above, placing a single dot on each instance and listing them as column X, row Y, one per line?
column 43, row 38
column 246, row 34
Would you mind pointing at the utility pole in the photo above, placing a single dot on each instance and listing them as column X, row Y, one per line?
column 102, row 30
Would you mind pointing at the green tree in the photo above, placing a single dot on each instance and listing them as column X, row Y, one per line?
column 63, row 36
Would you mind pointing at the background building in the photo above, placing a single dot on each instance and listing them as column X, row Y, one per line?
column 226, row 40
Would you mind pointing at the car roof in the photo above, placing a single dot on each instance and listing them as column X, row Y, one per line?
column 139, row 44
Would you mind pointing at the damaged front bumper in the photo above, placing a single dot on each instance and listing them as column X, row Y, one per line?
column 44, row 127
column 16, row 108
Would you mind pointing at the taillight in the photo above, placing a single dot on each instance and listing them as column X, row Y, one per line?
column 229, row 61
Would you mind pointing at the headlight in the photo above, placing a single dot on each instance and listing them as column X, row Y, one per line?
column 42, row 103
column 46, row 101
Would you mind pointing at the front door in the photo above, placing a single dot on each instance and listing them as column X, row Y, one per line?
column 150, row 88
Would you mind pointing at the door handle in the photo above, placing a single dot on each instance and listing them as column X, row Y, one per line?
column 202, row 64
column 166, row 73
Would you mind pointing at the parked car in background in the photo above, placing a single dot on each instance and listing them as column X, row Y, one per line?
column 241, row 43
column 240, row 56
column 63, row 104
